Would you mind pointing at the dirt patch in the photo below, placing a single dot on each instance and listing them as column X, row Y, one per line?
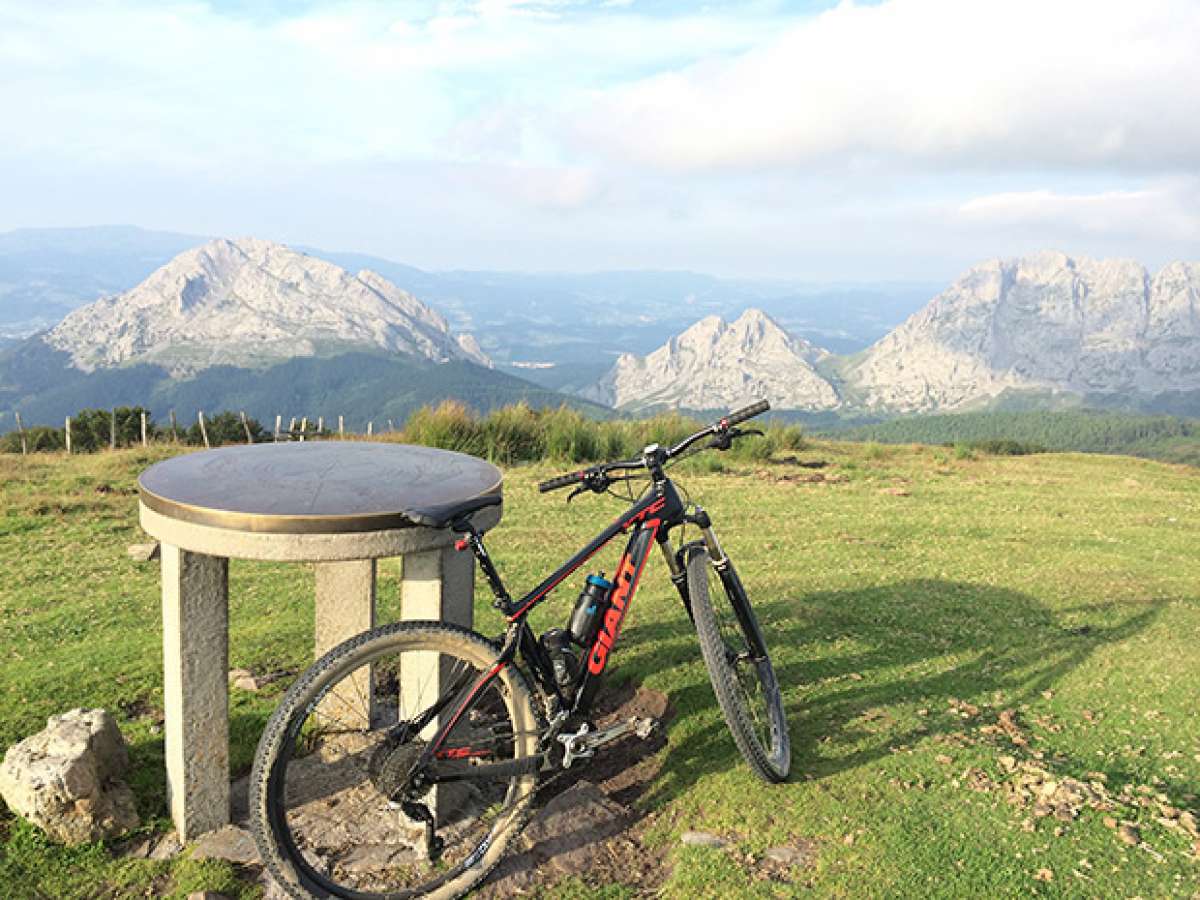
column 141, row 708
column 802, row 463
column 806, row 477
column 626, row 769
column 588, row 825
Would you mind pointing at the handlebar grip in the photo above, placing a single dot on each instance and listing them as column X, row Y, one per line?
column 560, row 481
column 746, row 412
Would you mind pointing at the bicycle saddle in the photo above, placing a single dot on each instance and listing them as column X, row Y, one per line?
column 442, row 514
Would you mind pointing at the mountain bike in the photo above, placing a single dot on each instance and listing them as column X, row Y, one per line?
column 403, row 762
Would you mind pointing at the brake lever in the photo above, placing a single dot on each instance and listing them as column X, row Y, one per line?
column 724, row 440
column 596, row 482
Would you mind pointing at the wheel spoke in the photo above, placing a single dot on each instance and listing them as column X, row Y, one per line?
column 338, row 788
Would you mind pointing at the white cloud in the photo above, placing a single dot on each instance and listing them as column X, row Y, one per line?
column 963, row 83
column 1166, row 212
column 204, row 89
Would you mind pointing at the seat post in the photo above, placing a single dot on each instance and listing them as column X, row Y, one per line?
column 474, row 540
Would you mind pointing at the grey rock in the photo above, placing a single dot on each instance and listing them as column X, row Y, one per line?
column 167, row 847
column 376, row 857
column 137, row 849
column 244, row 680
column 66, row 778
column 1045, row 323
column 230, row 843
column 702, row 839
column 791, row 856
column 715, row 364
column 253, row 303
column 563, row 838
column 206, row 895
column 143, row 552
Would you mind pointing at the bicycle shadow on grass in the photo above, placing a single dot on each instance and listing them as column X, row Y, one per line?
column 844, row 658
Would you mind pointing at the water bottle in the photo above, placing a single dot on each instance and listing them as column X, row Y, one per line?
column 590, row 609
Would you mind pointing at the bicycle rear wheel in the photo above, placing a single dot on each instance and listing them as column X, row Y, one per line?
column 739, row 667
column 327, row 785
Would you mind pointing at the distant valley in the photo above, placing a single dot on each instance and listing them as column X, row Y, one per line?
column 259, row 326
column 574, row 324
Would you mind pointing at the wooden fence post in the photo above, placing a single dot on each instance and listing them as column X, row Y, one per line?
column 291, row 427
column 304, row 428
column 341, row 427
column 112, row 429
column 174, row 433
column 391, row 425
column 21, row 429
column 67, row 432
column 370, row 428
column 203, row 430
column 278, row 423
column 143, row 428
column 246, row 428
column 320, row 424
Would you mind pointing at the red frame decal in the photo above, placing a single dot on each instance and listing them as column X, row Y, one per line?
column 625, row 583
column 479, row 686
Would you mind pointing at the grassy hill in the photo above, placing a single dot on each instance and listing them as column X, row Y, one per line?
column 953, row 636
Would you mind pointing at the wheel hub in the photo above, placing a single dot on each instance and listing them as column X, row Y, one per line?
column 391, row 763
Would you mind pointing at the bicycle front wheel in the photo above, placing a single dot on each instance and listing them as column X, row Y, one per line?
column 739, row 667
column 328, row 786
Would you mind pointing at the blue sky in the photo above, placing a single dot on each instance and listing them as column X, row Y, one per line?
column 903, row 139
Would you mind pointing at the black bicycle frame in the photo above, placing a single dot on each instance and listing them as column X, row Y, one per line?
column 649, row 518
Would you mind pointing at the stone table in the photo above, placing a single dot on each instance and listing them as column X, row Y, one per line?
column 340, row 505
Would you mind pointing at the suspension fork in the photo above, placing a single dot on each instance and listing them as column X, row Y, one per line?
column 678, row 574
column 732, row 583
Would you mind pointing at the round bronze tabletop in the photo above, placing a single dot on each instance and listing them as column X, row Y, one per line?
column 313, row 486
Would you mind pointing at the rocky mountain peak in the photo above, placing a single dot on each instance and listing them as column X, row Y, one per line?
column 715, row 364
column 1042, row 323
column 251, row 303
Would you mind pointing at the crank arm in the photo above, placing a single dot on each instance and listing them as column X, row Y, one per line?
column 584, row 743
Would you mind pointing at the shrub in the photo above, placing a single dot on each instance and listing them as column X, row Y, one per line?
column 224, row 427
column 450, row 426
column 514, row 434
column 572, row 438
column 91, row 428
column 1006, row 447
column 37, row 439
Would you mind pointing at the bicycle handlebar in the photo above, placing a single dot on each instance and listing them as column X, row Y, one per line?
column 717, row 428
column 746, row 412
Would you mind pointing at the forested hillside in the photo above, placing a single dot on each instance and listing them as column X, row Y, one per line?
column 1156, row 437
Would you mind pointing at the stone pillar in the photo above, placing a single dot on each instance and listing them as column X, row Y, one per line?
column 440, row 585
column 195, row 600
column 346, row 607
column 437, row 585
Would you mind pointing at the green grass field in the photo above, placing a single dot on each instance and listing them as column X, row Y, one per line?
column 947, row 628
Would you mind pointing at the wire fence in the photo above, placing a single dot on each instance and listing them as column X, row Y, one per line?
column 509, row 434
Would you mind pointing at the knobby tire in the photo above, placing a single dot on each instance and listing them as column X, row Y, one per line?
column 749, row 700
column 276, row 843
